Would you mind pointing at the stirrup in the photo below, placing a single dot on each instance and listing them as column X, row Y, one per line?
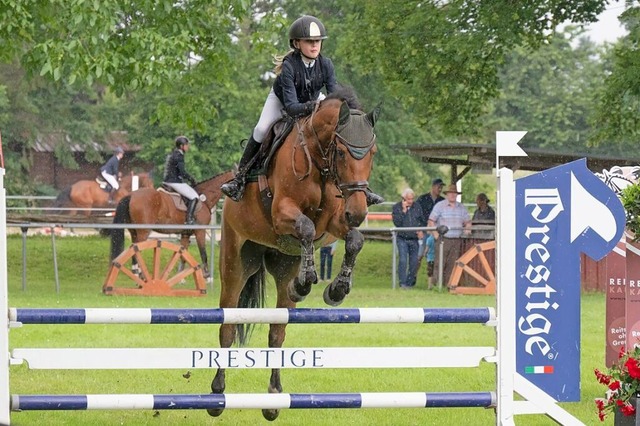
column 234, row 189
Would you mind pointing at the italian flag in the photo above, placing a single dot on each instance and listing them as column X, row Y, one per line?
column 539, row 369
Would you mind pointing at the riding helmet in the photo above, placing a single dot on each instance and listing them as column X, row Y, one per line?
column 306, row 27
column 181, row 140
column 118, row 150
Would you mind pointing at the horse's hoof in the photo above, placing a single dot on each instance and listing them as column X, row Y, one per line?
column 215, row 412
column 293, row 295
column 332, row 301
column 270, row 414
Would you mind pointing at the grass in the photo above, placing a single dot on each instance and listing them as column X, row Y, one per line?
column 83, row 264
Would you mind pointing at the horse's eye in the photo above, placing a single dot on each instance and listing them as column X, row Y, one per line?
column 341, row 154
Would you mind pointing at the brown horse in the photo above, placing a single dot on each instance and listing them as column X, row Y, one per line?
column 313, row 193
column 150, row 206
column 87, row 194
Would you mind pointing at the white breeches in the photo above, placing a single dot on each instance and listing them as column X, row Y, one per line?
column 183, row 189
column 271, row 112
column 111, row 179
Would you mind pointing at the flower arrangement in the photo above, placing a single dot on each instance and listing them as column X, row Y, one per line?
column 623, row 383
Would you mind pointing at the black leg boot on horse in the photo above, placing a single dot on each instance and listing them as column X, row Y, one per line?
column 112, row 192
column 191, row 210
column 234, row 189
column 373, row 198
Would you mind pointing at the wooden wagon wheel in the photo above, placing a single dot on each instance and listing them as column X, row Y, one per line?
column 486, row 277
column 159, row 279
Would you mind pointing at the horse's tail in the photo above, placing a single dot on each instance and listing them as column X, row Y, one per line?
column 252, row 296
column 62, row 200
column 117, row 235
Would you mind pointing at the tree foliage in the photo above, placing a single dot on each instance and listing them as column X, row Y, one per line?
column 442, row 58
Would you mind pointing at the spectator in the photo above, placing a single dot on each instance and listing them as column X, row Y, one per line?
column 407, row 214
column 427, row 201
column 326, row 258
column 455, row 217
column 429, row 245
column 484, row 215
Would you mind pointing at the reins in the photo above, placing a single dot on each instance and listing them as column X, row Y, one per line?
column 328, row 171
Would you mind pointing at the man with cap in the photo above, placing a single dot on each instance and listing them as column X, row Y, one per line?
column 110, row 172
column 455, row 216
column 429, row 199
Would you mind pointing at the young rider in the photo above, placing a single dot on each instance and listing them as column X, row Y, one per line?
column 175, row 175
column 300, row 75
column 109, row 172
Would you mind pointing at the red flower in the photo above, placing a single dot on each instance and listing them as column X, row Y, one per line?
column 623, row 383
column 628, row 410
column 633, row 368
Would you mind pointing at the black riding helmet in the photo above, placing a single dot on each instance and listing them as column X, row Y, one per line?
column 181, row 140
column 306, row 27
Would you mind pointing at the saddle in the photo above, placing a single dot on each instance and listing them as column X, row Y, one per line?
column 103, row 184
column 274, row 140
column 179, row 201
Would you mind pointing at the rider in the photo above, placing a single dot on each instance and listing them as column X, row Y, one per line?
column 175, row 174
column 300, row 74
column 109, row 172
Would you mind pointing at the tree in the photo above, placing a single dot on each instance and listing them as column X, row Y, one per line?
column 617, row 121
column 442, row 58
column 549, row 92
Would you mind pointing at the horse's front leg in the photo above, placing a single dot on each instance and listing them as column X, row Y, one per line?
column 335, row 292
column 300, row 287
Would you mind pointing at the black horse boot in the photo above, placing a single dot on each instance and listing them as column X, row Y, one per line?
column 111, row 194
column 373, row 198
column 191, row 209
column 234, row 189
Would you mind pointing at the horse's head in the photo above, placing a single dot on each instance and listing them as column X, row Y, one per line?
column 348, row 153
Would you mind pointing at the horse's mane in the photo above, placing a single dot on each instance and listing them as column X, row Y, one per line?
column 214, row 177
column 346, row 93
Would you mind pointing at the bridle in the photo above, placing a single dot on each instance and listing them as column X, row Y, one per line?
column 329, row 168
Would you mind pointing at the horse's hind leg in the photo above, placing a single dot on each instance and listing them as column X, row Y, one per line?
column 335, row 292
column 236, row 266
column 300, row 287
column 284, row 269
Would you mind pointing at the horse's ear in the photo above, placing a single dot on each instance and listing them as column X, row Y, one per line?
column 373, row 115
column 345, row 114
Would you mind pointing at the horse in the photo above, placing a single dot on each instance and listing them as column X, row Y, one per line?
column 312, row 193
column 150, row 206
column 87, row 194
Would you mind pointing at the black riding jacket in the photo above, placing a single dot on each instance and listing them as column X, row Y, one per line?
column 296, row 84
column 174, row 171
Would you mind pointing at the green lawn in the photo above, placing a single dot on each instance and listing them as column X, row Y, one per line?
column 83, row 264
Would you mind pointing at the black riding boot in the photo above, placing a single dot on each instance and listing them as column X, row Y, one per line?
column 234, row 189
column 191, row 209
column 373, row 198
column 111, row 194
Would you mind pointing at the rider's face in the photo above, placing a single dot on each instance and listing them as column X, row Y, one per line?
column 310, row 48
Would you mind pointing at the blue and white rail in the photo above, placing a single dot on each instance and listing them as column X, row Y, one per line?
column 252, row 316
column 250, row 401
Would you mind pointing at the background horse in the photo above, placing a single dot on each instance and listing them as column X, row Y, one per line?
column 149, row 206
column 87, row 194
column 313, row 193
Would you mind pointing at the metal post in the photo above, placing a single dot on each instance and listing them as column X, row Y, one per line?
column 393, row 260
column 24, row 230
column 55, row 258
column 213, row 254
column 4, row 307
